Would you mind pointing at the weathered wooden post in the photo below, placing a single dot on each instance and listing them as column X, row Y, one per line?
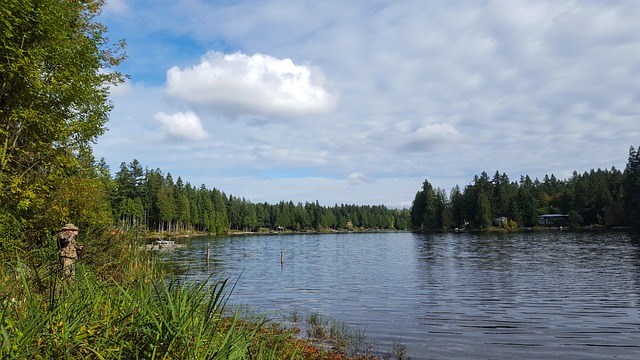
column 208, row 251
column 282, row 258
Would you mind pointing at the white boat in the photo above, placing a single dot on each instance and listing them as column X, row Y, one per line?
column 164, row 242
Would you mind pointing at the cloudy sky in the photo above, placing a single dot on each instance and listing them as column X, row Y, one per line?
column 359, row 101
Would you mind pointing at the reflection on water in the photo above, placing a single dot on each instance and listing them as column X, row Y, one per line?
column 532, row 295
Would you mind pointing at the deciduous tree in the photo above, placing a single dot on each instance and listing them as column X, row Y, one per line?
column 54, row 82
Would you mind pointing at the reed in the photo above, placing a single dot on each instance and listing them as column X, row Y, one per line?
column 317, row 326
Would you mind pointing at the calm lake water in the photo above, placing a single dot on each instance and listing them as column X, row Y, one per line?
column 549, row 295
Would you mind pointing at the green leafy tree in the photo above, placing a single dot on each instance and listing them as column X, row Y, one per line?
column 54, row 103
column 132, row 212
column 403, row 219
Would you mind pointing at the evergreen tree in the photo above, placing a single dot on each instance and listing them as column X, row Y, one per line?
column 183, row 208
column 166, row 207
column 483, row 216
column 456, row 199
column 430, row 220
column 527, row 203
column 152, row 184
column 234, row 213
column 631, row 187
column 205, row 210
column 418, row 209
column 501, row 195
column 220, row 217
column 301, row 218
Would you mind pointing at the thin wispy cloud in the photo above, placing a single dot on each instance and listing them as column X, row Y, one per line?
column 359, row 178
column 116, row 6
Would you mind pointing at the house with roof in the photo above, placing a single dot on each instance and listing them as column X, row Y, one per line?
column 553, row 220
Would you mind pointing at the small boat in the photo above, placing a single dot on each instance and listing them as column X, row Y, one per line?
column 164, row 242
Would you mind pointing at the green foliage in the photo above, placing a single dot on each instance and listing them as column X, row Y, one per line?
column 180, row 207
column 152, row 320
column 600, row 197
column 429, row 209
column 483, row 215
column 85, row 201
column 631, row 187
column 575, row 218
column 53, row 100
column 11, row 233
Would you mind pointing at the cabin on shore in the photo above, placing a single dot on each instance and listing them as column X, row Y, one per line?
column 553, row 220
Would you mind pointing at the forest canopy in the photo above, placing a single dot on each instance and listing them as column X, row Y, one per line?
column 608, row 197
column 161, row 203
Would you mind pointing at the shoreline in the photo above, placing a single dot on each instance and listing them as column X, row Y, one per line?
column 490, row 230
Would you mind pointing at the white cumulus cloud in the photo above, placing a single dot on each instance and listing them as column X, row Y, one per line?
column 184, row 125
column 259, row 84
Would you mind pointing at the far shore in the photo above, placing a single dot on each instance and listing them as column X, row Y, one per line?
column 592, row 228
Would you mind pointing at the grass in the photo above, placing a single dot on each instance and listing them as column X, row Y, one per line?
column 345, row 340
column 152, row 320
column 122, row 304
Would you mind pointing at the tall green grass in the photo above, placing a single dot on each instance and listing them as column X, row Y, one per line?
column 123, row 304
column 147, row 320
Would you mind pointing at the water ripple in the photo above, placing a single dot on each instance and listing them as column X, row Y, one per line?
column 517, row 296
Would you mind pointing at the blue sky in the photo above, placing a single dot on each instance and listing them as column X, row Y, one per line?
column 360, row 101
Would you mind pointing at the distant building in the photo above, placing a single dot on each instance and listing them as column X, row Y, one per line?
column 500, row 221
column 553, row 220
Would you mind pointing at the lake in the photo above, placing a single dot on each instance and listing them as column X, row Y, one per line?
column 538, row 295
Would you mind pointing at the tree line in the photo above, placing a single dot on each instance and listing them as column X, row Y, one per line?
column 608, row 197
column 160, row 203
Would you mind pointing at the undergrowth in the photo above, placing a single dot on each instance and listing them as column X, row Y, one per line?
column 123, row 304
